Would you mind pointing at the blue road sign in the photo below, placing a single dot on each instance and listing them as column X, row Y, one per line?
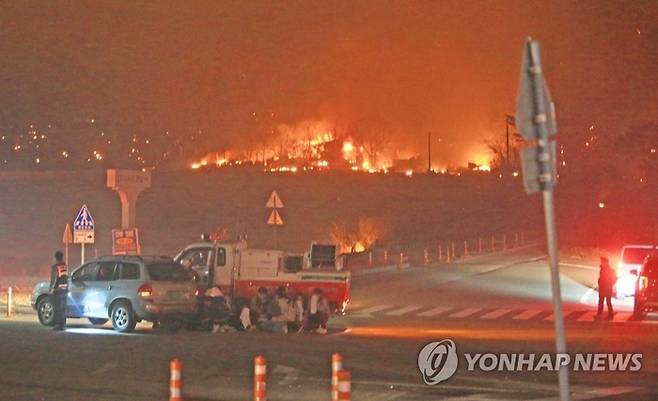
column 84, row 221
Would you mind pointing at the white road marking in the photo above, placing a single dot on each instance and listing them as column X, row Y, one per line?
column 495, row 314
column 372, row 309
column 402, row 311
column 105, row 368
column 565, row 314
column 598, row 393
column 527, row 314
column 579, row 266
column 465, row 313
column 434, row 312
column 458, row 313
column 586, row 295
column 622, row 316
column 390, row 396
column 587, row 317
column 290, row 374
column 476, row 397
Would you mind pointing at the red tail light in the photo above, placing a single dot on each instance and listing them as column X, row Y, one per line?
column 145, row 291
column 642, row 283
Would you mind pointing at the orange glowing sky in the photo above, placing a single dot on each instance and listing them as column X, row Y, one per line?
column 237, row 71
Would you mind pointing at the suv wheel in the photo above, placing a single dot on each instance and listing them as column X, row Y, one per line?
column 97, row 322
column 123, row 318
column 46, row 311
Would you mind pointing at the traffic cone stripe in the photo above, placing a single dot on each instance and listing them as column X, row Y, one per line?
column 176, row 380
column 260, row 379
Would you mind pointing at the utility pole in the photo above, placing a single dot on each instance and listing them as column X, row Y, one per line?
column 507, row 140
column 429, row 152
column 509, row 121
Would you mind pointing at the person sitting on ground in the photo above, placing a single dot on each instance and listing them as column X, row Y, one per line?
column 245, row 319
column 257, row 305
column 297, row 313
column 240, row 319
column 287, row 309
column 216, row 307
column 273, row 321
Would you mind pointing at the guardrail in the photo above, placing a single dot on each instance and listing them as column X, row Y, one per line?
column 14, row 299
column 439, row 252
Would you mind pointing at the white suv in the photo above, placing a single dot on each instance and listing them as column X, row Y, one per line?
column 125, row 290
column 630, row 262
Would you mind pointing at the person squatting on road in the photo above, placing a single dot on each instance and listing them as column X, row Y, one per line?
column 292, row 312
column 217, row 309
column 281, row 314
column 257, row 304
column 607, row 280
column 59, row 290
column 265, row 311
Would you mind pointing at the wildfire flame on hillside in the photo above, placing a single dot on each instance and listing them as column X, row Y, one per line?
column 307, row 146
column 317, row 146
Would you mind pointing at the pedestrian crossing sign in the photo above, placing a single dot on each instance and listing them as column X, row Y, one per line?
column 83, row 227
column 84, row 221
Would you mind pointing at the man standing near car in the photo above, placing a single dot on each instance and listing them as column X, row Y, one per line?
column 59, row 290
column 607, row 280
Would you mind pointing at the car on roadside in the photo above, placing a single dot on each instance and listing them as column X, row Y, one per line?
column 630, row 260
column 125, row 290
column 646, row 291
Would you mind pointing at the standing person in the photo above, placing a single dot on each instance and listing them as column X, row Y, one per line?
column 318, row 312
column 59, row 290
column 607, row 280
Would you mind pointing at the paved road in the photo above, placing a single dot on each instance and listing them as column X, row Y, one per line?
column 498, row 304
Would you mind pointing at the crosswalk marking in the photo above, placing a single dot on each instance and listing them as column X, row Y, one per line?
column 587, row 317
column 495, row 314
column 566, row 314
column 465, row 312
column 474, row 397
column 622, row 316
column 527, row 314
column 373, row 309
column 402, row 311
column 434, row 311
column 482, row 313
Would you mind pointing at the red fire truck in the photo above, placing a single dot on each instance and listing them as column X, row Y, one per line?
column 240, row 271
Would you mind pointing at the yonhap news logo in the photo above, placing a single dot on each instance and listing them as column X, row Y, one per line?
column 438, row 361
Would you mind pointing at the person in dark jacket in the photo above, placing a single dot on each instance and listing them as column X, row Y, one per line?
column 607, row 280
column 59, row 290
column 257, row 305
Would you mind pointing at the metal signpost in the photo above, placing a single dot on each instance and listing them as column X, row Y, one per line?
column 275, row 203
column 535, row 119
column 83, row 230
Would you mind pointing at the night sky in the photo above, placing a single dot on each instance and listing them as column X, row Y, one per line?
column 237, row 70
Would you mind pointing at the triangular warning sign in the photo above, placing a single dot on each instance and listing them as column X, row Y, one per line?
column 275, row 219
column 274, row 202
column 67, row 237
